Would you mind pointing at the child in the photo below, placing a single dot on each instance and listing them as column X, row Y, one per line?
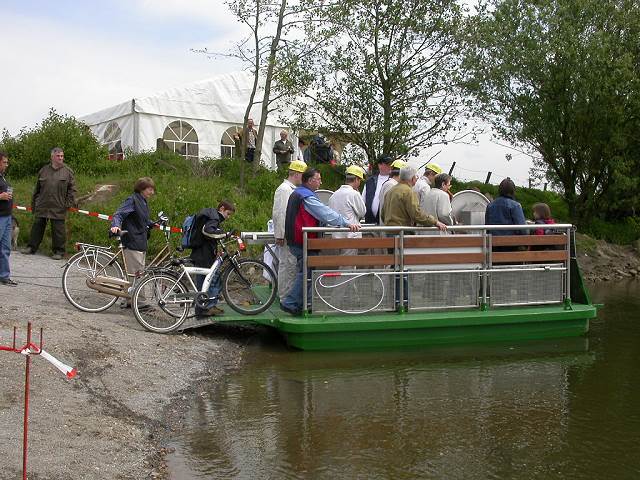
column 542, row 216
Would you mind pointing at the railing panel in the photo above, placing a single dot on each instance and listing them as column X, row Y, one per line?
column 445, row 241
column 528, row 240
column 435, row 290
column 352, row 291
column 359, row 243
column 526, row 286
column 530, row 256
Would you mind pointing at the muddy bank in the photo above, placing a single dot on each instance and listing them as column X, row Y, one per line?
column 605, row 262
column 112, row 420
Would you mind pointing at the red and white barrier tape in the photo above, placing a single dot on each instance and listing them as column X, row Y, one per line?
column 101, row 216
column 69, row 372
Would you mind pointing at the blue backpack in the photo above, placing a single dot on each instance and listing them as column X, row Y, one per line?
column 188, row 229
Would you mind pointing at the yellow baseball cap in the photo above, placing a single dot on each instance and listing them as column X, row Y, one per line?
column 355, row 170
column 298, row 166
column 434, row 167
column 398, row 164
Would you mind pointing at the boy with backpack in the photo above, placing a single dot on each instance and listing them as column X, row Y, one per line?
column 200, row 233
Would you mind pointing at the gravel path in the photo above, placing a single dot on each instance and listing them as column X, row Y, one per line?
column 130, row 393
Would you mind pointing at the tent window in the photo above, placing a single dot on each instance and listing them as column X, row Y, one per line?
column 181, row 138
column 112, row 139
column 228, row 144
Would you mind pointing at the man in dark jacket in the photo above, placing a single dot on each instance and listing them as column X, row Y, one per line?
column 372, row 188
column 206, row 232
column 54, row 193
column 283, row 149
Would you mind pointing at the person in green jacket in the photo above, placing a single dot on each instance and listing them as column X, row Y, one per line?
column 401, row 204
column 54, row 193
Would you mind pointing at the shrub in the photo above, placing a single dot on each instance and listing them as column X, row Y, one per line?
column 30, row 149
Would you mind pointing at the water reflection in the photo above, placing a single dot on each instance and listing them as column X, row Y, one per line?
column 539, row 410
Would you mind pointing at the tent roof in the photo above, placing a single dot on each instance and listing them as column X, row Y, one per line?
column 220, row 98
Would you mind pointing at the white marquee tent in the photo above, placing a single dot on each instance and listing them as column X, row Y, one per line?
column 196, row 120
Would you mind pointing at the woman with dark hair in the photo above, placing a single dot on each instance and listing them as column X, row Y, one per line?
column 504, row 210
column 133, row 216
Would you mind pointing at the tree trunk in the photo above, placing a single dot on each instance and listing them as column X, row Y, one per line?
column 266, row 98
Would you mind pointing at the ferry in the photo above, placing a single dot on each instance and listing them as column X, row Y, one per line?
column 413, row 286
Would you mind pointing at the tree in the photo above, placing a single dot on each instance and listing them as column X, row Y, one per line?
column 382, row 74
column 560, row 80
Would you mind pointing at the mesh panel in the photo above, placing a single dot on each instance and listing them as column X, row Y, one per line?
column 542, row 286
column 352, row 291
column 436, row 290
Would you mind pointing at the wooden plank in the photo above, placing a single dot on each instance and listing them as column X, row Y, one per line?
column 329, row 243
column 517, row 240
column 443, row 258
column 349, row 260
column 442, row 241
column 534, row 256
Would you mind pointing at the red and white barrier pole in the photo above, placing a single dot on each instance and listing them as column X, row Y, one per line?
column 27, row 350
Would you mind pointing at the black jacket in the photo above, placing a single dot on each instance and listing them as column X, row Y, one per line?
column 203, row 253
column 5, row 205
column 371, row 185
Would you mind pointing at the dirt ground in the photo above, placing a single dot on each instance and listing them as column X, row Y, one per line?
column 111, row 421
column 605, row 262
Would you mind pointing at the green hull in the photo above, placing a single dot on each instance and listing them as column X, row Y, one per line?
column 435, row 328
column 388, row 330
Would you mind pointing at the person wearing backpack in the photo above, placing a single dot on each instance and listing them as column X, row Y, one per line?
column 133, row 216
column 205, row 231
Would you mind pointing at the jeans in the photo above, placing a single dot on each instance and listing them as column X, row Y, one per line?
column 5, row 245
column 213, row 292
column 293, row 300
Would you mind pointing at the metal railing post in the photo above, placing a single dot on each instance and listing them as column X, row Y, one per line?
column 402, row 302
column 485, row 267
column 567, row 272
column 305, row 300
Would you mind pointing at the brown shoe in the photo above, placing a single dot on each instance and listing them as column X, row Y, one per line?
column 214, row 311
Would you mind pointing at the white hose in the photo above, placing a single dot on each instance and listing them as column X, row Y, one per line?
column 349, row 279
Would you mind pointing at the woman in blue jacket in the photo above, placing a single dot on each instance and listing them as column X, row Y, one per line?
column 133, row 216
column 504, row 210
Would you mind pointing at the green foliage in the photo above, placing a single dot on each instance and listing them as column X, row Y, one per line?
column 30, row 149
column 621, row 232
column 382, row 75
column 560, row 79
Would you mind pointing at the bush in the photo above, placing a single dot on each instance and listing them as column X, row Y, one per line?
column 30, row 149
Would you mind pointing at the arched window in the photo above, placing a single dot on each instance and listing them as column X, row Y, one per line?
column 112, row 139
column 228, row 143
column 181, row 138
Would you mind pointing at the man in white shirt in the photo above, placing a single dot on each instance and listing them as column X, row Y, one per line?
column 424, row 183
column 348, row 202
column 372, row 188
column 390, row 183
column 438, row 202
column 286, row 261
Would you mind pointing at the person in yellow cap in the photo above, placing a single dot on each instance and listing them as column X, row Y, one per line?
column 286, row 261
column 348, row 202
column 425, row 182
column 390, row 183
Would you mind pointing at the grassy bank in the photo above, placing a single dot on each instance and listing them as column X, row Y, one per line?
column 183, row 189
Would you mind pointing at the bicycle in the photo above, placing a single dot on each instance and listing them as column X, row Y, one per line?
column 161, row 301
column 94, row 278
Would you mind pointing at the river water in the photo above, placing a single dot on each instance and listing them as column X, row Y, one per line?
column 565, row 409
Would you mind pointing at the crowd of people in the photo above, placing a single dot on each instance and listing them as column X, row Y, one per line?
column 392, row 196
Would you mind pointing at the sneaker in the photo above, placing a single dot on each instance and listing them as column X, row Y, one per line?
column 27, row 251
column 56, row 256
column 8, row 282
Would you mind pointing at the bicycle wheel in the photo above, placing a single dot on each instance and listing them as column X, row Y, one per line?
column 249, row 286
column 160, row 303
column 84, row 267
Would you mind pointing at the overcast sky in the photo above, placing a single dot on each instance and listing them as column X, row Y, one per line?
column 79, row 57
